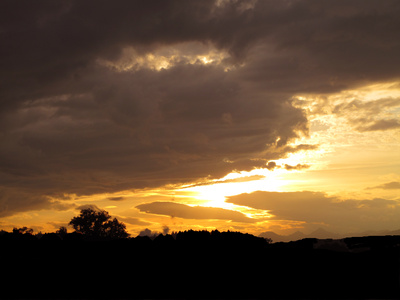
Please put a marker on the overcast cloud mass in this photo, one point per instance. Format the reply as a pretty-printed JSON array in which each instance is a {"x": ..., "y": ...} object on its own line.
[{"x": 100, "y": 96}]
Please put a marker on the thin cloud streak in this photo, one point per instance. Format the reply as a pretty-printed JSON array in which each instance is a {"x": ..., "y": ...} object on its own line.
[{"x": 193, "y": 212}]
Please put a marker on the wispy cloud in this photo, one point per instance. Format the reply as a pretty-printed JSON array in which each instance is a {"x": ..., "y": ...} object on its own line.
[{"x": 394, "y": 185}]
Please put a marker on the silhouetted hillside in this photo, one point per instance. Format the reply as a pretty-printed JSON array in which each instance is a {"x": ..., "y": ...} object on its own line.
[
  {"x": 197, "y": 264},
  {"x": 298, "y": 235},
  {"x": 321, "y": 233}
]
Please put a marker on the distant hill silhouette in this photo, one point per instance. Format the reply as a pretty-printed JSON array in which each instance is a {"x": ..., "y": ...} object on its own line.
[
  {"x": 321, "y": 233},
  {"x": 282, "y": 238}
]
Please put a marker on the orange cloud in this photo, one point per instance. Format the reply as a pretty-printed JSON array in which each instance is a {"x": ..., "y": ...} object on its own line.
[{"x": 193, "y": 212}]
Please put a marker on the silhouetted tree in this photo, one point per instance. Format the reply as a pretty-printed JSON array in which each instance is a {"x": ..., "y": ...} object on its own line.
[
  {"x": 23, "y": 230},
  {"x": 97, "y": 225},
  {"x": 62, "y": 231},
  {"x": 115, "y": 229},
  {"x": 23, "y": 234}
]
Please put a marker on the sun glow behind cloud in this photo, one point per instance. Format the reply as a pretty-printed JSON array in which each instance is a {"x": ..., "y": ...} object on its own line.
[
  {"x": 215, "y": 193},
  {"x": 356, "y": 131},
  {"x": 166, "y": 57},
  {"x": 342, "y": 154},
  {"x": 331, "y": 129},
  {"x": 236, "y": 183}
]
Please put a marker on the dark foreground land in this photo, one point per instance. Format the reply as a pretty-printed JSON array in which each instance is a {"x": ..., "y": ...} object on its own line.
[{"x": 199, "y": 265}]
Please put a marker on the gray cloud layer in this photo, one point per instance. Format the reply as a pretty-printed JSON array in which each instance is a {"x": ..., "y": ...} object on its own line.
[
  {"x": 318, "y": 208},
  {"x": 69, "y": 124},
  {"x": 394, "y": 185}
]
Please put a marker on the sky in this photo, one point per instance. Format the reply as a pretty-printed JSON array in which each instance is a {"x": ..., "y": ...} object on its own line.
[{"x": 250, "y": 116}]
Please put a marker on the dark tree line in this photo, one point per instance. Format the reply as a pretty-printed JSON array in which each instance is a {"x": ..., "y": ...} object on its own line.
[
  {"x": 191, "y": 264},
  {"x": 98, "y": 225}
]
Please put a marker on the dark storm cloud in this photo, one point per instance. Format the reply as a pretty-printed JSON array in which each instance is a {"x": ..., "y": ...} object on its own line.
[
  {"x": 70, "y": 124},
  {"x": 17, "y": 200},
  {"x": 193, "y": 212}
]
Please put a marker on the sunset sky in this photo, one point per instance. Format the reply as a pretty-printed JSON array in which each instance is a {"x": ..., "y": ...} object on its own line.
[{"x": 250, "y": 116}]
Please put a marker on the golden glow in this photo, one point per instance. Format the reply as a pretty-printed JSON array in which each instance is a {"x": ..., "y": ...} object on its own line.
[
  {"x": 343, "y": 153},
  {"x": 215, "y": 193},
  {"x": 349, "y": 147},
  {"x": 166, "y": 57}
]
